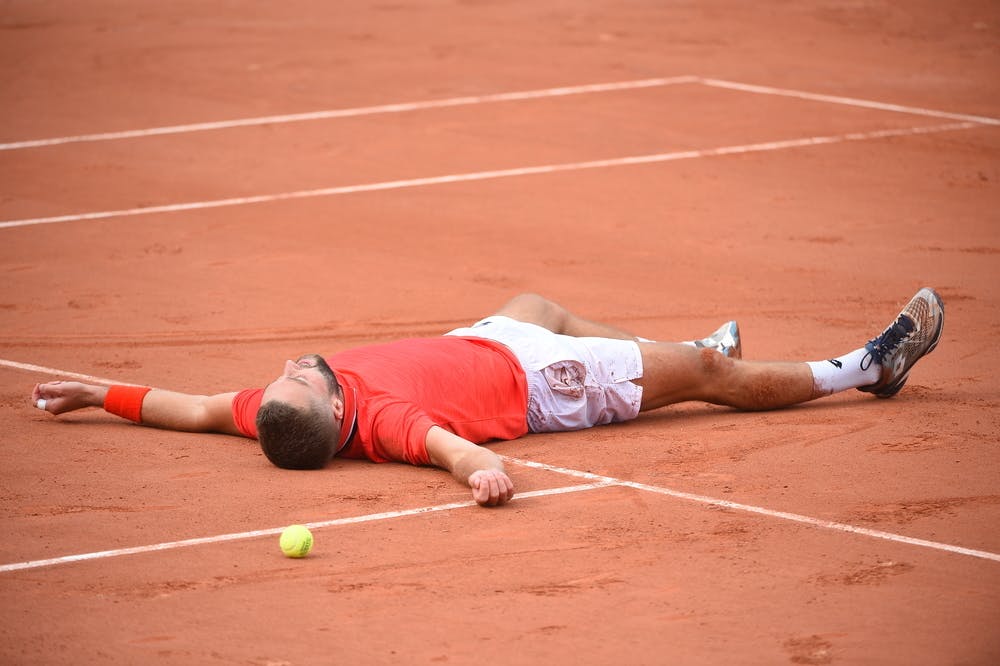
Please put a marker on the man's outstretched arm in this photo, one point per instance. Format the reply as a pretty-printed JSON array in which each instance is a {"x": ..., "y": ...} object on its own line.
[
  {"x": 160, "y": 409},
  {"x": 479, "y": 468}
]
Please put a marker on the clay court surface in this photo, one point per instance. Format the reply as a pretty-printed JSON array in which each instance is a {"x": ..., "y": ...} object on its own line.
[{"x": 803, "y": 167}]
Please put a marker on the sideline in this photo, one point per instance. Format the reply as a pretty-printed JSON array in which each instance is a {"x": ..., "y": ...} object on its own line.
[
  {"x": 783, "y": 515},
  {"x": 201, "y": 541},
  {"x": 847, "y": 101}
]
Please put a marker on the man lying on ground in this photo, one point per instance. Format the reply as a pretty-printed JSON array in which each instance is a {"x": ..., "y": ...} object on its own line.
[{"x": 531, "y": 367}]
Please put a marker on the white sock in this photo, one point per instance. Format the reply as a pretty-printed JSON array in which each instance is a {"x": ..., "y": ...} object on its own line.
[{"x": 843, "y": 372}]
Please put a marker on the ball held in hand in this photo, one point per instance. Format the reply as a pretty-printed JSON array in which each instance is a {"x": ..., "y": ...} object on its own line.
[{"x": 296, "y": 541}]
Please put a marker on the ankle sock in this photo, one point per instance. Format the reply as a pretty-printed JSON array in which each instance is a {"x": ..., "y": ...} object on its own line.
[{"x": 843, "y": 372}]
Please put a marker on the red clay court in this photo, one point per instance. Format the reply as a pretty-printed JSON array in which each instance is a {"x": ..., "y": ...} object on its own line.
[{"x": 192, "y": 192}]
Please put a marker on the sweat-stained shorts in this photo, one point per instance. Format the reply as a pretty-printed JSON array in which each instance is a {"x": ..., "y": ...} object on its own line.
[{"x": 573, "y": 383}]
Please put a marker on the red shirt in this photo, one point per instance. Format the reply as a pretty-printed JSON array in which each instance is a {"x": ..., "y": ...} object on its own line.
[{"x": 473, "y": 387}]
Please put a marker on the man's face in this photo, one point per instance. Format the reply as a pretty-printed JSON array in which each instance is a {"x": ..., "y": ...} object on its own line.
[{"x": 303, "y": 381}]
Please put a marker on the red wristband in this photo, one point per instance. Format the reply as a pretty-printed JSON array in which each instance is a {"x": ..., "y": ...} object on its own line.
[{"x": 126, "y": 401}]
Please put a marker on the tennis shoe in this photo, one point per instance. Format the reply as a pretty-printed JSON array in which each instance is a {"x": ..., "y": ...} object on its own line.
[
  {"x": 914, "y": 334},
  {"x": 725, "y": 340}
]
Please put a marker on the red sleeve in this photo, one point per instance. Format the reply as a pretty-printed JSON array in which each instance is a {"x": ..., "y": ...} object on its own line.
[
  {"x": 245, "y": 406},
  {"x": 400, "y": 434}
]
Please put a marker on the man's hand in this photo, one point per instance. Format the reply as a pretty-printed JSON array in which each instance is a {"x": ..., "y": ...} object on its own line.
[
  {"x": 62, "y": 397},
  {"x": 470, "y": 463},
  {"x": 491, "y": 487}
]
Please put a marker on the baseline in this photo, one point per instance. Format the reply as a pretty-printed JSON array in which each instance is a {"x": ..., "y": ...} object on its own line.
[{"x": 500, "y": 173}]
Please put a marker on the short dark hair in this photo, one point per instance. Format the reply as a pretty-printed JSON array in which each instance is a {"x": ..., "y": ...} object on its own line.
[{"x": 295, "y": 438}]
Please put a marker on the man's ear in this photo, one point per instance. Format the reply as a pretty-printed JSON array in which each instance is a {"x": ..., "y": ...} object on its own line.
[{"x": 337, "y": 405}]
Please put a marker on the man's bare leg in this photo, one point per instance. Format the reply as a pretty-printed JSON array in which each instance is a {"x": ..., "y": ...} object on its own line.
[
  {"x": 675, "y": 373},
  {"x": 534, "y": 309}
]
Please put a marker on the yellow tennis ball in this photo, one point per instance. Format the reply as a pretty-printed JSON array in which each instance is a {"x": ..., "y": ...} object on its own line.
[{"x": 296, "y": 541}]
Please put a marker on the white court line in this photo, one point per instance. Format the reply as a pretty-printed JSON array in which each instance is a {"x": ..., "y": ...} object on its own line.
[
  {"x": 201, "y": 541},
  {"x": 360, "y": 111},
  {"x": 783, "y": 515},
  {"x": 403, "y": 107},
  {"x": 501, "y": 173},
  {"x": 60, "y": 373},
  {"x": 849, "y": 101}
]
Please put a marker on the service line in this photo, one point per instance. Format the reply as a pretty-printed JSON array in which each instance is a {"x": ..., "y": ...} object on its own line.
[
  {"x": 359, "y": 111},
  {"x": 500, "y": 173}
]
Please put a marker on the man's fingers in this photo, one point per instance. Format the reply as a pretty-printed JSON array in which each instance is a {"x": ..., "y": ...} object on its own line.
[
  {"x": 488, "y": 489},
  {"x": 38, "y": 399},
  {"x": 480, "y": 482},
  {"x": 508, "y": 489},
  {"x": 479, "y": 493},
  {"x": 491, "y": 488},
  {"x": 483, "y": 494}
]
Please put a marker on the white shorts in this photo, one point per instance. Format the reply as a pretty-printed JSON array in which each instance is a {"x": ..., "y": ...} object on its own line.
[{"x": 573, "y": 383}]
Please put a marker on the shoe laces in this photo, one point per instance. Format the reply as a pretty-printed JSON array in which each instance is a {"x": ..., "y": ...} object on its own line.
[{"x": 884, "y": 345}]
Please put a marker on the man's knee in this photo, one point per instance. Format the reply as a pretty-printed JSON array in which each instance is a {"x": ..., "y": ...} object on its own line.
[
  {"x": 713, "y": 364},
  {"x": 718, "y": 374},
  {"x": 534, "y": 309},
  {"x": 528, "y": 302}
]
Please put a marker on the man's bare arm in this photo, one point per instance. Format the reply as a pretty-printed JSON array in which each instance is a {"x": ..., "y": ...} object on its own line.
[
  {"x": 161, "y": 409},
  {"x": 479, "y": 468}
]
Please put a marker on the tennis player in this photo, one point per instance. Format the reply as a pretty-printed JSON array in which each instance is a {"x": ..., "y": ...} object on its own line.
[{"x": 531, "y": 367}]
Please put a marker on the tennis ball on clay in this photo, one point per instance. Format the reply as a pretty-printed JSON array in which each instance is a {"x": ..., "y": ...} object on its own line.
[{"x": 296, "y": 541}]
